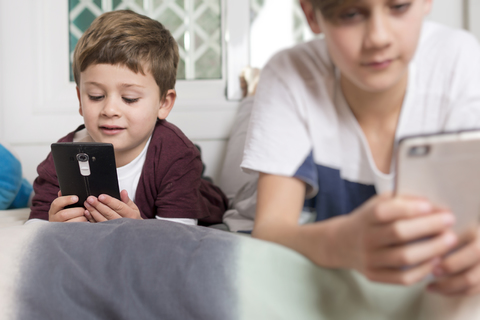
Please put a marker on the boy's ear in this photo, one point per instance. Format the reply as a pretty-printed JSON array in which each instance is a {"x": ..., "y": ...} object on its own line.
[
  {"x": 79, "y": 102},
  {"x": 167, "y": 104},
  {"x": 311, "y": 16}
]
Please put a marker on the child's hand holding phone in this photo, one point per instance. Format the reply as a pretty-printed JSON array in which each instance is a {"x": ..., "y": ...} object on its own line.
[
  {"x": 106, "y": 208},
  {"x": 383, "y": 236},
  {"x": 58, "y": 212},
  {"x": 444, "y": 168},
  {"x": 83, "y": 170},
  {"x": 458, "y": 273}
]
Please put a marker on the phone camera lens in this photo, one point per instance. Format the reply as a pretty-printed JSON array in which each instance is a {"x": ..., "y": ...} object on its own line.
[
  {"x": 419, "y": 151},
  {"x": 82, "y": 157}
]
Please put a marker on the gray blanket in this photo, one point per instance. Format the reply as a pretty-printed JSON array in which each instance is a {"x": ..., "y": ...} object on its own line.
[{"x": 126, "y": 269}]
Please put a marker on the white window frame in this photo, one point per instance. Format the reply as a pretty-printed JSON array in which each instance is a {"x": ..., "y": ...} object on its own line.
[{"x": 54, "y": 90}]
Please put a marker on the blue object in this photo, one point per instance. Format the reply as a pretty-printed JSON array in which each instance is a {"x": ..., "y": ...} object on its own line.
[
  {"x": 332, "y": 195},
  {"x": 15, "y": 191}
]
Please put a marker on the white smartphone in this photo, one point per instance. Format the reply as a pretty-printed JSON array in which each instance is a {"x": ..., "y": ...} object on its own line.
[{"x": 445, "y": 169}]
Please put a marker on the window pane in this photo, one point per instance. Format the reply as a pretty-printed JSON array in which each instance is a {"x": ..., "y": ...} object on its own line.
[
  {"x": 195, "y": 25},
  {"x": 275, "y": 25}
]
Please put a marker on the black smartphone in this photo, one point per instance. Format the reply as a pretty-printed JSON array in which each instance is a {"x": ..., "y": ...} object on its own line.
[{"x": 85, "y": 169}]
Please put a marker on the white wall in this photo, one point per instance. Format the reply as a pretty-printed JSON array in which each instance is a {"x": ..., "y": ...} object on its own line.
[
  {"x": 449, "y": 12},
  {"x": 458, "y": 14},
  {"x": 473, "y": 17}
]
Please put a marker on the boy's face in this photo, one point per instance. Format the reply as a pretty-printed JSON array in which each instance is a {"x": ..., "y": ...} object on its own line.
[
  {"x": 373, "y": 41},
  {"x": 121, "y": 107}
]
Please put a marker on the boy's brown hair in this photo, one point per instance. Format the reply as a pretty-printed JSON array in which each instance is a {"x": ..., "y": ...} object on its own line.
[
  {"x": 127, "y": 38},
  {"x": 329, "y": 8}
]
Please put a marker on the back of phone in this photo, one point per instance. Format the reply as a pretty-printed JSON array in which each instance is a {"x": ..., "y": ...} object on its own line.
[
  {"x": 85, "y": 169},
  {"x": 445, "y": 169}
]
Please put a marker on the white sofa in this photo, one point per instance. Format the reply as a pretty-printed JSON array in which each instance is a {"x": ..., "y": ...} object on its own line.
[{"x": 13, "y": 217}]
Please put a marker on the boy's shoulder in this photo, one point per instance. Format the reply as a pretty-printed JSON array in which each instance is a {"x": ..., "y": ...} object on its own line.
[
  {"x": 167, "y": 138},
  {"x": 441, "y": 42},
  {"x": 434, "y": 30},
  {"x": 165, "y": 130}
]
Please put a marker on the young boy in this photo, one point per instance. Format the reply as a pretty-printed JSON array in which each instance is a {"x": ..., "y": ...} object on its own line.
[
  {"x": 327, "y": 117},
  {"x": 125, "y": 68}
]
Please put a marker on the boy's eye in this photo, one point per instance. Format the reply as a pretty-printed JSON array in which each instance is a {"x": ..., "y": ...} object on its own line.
[
  {"x": 129, "y": 100},
  {"x": 350, "y": 15},
  {"x": 400, "y": 8},
  {"x": 95, "y": 98}
]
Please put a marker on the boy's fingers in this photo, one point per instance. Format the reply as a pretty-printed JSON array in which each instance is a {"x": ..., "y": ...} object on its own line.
[
  {"x": 460, "y": 260},
  {"x": 124, "y": 196},
  {"x": 89, "y": 216},
  {"x": 415, "y": 253},
  {"x": 126, "y": 199},
  {"x": 97, "y": 216},
  {"x": 467, "y": 282},
  {"x": 400, "y": 208},
  {"x": 120, "y": 208},
  {"x": 111, "y": 208},
  {"x": 61, "y": 202},
  {"x": 407, "y": 230},
  {"x": 77, "y": 219},
  {"x": 94, "y": 206},
  {"x": 402, "y": 276},
  {"x": 67, "y": 214}
]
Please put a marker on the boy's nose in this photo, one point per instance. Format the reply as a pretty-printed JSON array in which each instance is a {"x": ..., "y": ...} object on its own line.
[
  {"x": 378, "y": 33},
  {"x": 110, "y": 108}
]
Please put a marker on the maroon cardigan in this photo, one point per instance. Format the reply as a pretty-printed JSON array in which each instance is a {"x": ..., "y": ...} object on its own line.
[{"x": 170, "y": 185}]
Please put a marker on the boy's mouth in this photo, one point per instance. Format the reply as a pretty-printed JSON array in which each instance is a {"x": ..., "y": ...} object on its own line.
[
  {"x": 378, "y": 65},
  {"x": 111, "y": 130}
]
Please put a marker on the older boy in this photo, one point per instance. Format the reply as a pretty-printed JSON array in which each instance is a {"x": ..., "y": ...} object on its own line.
[
  {"x": 125, "y": 68},
  {"x": 326, "y": 120}
]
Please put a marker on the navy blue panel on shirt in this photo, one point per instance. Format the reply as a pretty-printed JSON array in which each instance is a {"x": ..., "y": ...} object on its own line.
[
  {"x": 335, "y": 195},
  {"x": 308, "y": 173}
]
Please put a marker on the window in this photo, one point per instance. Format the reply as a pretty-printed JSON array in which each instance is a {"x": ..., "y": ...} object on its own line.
[
  {"x": 275, "y": 25},
  {"x": 195, "y": 25}
]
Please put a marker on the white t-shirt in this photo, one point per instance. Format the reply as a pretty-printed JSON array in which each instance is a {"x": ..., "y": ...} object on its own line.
[
  {"x": 129, "y": 175},
  {"x": 301, "y": 125}
]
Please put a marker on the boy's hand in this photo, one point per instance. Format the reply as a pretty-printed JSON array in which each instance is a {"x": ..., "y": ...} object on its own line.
[
  {"x": 397, "y": 240},
  {"x": 106, "y": 208},
  {"x": 57, "y": 213},
  {"x": 388, "y": 239},
  {"x": 459, "y": 272}
]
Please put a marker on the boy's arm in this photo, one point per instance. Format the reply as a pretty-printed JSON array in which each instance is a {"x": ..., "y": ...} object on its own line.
[
  {"x": 45, "y": 189},
  {"x": 375, "y": 239},
  {"x": 182, "y": 193}
]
